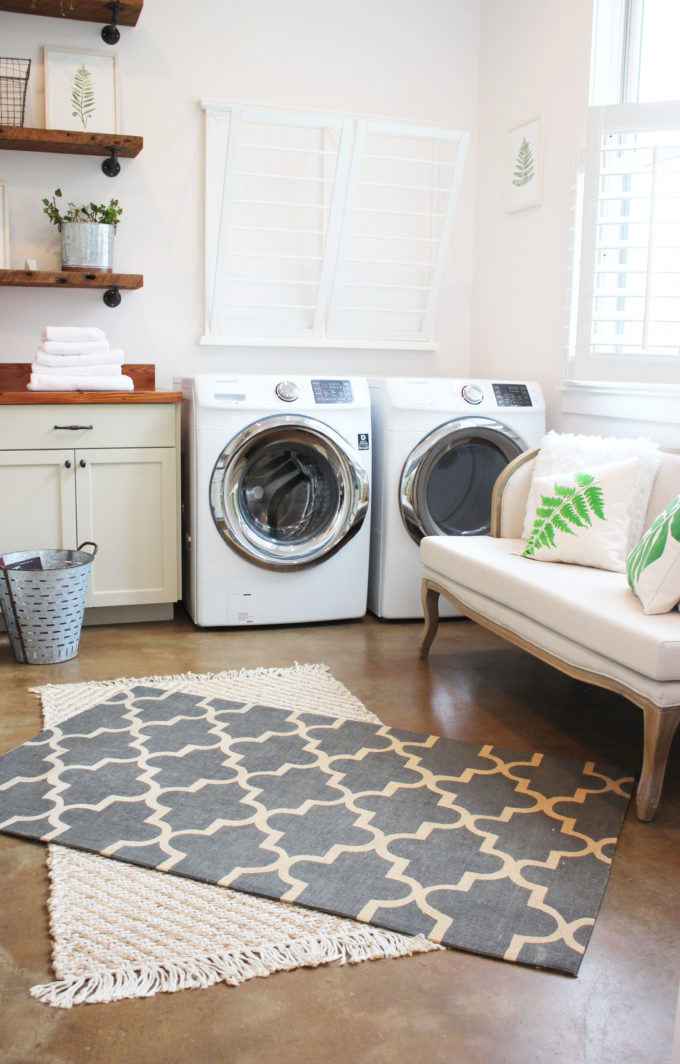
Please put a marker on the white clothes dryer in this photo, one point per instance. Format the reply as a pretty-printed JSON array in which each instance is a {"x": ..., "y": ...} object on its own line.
[
  {"x": 438, "y": 446},
  {"x": 275, "y": 500}
]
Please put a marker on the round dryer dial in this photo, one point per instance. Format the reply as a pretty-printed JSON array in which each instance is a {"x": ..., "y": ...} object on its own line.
[
  {"x": 472, "y": 393},
  {"x": 287, "y": 390}
]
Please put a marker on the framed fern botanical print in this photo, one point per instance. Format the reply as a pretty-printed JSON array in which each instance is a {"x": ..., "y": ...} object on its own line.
[
  {"x": 81, "y": 90},
  {"x": 524, "y": 170}
]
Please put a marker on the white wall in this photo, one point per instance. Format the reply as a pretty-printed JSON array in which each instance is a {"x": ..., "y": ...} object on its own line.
[
  {"x": 534, "y": 60},
  {"x": 390, "y": 58}
]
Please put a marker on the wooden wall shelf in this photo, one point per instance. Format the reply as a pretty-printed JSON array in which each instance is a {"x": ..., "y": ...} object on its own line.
[
  {"x": 110, "y": 283},
  {"x": 69, "y": 142},
  {"x": 82, "y": 10}
]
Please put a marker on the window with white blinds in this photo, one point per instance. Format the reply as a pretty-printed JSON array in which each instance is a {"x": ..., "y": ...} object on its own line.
[
  {"x": 629, "y": 306},
  {"x": 324, "y": 228}
]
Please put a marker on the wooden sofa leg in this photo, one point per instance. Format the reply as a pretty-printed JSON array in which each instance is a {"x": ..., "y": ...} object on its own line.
[
  {"x": 660, "y": 727},
  {"x": 430, "y": 598}
]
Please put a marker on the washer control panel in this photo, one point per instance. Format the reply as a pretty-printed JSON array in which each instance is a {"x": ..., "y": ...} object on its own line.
[
  {"x": 512, "y": 395},
  {"x": 328, "y": 391},
  {"x": 288, "y": 391}
]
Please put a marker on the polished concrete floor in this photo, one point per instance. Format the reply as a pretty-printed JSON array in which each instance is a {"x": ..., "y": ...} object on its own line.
[{"x": 443, "y": 1008}]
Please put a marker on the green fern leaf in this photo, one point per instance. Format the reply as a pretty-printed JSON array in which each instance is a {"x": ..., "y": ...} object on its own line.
[
  {"x": 524, "y": 165},
  {"x": 547, "y": 536},
  {"x": 82, "y": 95},
  {"x": 566, "y": 510},
  {"x": 581, "y": 507},
  {"x": 572, "y": 515},
  {"x": 595, "y": 500},
  {"x": 561, "y": 525}
]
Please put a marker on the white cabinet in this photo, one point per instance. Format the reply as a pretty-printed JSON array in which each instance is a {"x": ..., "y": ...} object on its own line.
[{"x": 108, "y": 474}]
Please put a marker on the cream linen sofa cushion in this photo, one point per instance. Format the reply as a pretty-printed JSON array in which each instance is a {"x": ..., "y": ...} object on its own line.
[{"x": 591, "y": 607}]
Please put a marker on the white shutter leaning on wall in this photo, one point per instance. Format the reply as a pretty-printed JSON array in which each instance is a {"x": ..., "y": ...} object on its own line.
[
  {"x": 325, "y": 229},
  {"x": 629, "y": 303}
]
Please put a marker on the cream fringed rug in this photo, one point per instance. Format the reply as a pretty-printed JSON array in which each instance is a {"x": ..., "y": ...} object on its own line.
[{"x": 119, "y": 931}]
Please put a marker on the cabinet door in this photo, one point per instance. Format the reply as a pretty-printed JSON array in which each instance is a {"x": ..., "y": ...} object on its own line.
[
  {"x": 37, "y": 500},
  {"x": 126, "y": 501}
]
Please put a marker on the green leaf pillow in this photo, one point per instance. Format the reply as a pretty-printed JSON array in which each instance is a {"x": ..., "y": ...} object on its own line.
[
  {"x": 584, "y": 517},
  {"x": 653, "y": 567}
]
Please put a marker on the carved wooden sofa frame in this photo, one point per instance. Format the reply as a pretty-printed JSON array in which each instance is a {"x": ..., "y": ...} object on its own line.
[{"x": 659, "y": 701}]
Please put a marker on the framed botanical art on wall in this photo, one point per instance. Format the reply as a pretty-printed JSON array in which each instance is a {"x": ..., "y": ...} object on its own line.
[
  {"x": 4, "y": 227},
  {"x": 524, "y": 170},
  {"x": 81, "y": 90}
]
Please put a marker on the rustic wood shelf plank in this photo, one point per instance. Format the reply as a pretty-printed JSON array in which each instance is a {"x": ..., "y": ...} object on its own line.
[
  {"x": 69, "y": 142},
  {"x": 69, "y": 279},
  {"x": 82, "y": 10}
]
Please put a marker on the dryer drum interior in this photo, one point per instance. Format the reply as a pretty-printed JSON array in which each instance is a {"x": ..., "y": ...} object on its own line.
[
  {"x": 448, "y": 479},
  {"x": 288, "y": 492}
]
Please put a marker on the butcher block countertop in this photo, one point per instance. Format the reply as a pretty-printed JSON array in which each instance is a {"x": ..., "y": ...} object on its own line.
[{"x": 14, "y": 376}]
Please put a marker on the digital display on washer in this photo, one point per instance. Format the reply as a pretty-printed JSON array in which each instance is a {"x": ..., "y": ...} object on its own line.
[
  {"x": 512, "y": 395},
  {"x": 332, "y": 391},
  {"x": 234, "y": 397}
]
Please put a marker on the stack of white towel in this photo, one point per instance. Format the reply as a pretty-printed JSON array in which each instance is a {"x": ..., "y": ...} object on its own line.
[{"x": 74, "y": 359}]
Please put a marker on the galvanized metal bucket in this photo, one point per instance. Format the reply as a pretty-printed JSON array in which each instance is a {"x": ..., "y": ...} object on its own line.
[
  {"x": 42, "y": 594},
  {"x": 87, "y": 246}
]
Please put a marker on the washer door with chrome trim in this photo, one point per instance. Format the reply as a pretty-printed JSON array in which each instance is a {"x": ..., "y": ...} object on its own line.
[
  {"x": 287, "y": 492},
  {"x": 447, "y": 480}
]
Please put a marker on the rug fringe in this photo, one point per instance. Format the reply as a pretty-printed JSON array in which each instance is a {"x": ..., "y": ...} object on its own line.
[
  {"x": 231, "y": 968},
  {"x": 227, "y": 674}
]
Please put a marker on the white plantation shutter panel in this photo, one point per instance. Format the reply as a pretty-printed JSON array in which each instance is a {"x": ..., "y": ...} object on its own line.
[
  {"x": 401, "y": 199},
  {"x": 325, "y": 229},
  {"x": 629, "y": 307}
]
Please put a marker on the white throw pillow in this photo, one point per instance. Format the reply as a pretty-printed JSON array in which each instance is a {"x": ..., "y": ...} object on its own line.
[
  {"x": 653, "y": 566},
  {"x": 583, "y": 517},
  {"x": 565, "y": 452}
]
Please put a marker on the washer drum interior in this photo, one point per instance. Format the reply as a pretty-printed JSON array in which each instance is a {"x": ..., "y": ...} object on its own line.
[{"x": 288, "y": 491}]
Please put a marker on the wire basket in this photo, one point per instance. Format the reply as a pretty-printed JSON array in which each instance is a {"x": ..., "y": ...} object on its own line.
[
  {"x": 14, "y": 75},
  {"x": 42, "y": 594}
]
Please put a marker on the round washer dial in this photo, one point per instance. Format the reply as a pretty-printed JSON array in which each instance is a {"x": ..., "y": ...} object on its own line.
[
  {"x": 288, "y": 391},
  {"x": 472, "y": 393}
]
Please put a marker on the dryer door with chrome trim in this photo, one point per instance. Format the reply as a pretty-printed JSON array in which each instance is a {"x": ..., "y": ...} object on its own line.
[
  {"x": 287, "y": 492},
  {"x": 447, "y": 480}
]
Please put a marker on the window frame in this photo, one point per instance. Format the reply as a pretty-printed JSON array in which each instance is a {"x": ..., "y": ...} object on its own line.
[{"x": 614, "y": 83}]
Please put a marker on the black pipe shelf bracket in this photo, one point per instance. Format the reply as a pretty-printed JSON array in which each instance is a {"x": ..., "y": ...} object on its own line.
[
  {"x": 111, "y": 33},
  {"x": 111, "y": 166},
  {"x": 112, "y": 296}
]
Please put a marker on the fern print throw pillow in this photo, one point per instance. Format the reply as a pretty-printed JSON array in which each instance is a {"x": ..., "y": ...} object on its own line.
[
  {"x": 583, "y": 517},
  {"x": 653, "y": 567}
]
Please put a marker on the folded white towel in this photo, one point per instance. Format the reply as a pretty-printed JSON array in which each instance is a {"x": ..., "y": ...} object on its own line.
[
  {"x": 75, "y": 347},
  {"x": 115, "y": 357},
  {"x": 39, "y": 383},
  {"x": 70, "y": 333},
  {"x": 96, "y": 370}
]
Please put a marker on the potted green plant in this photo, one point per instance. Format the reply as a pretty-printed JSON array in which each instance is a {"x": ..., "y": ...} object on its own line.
[{"x": 87, "y": 232}]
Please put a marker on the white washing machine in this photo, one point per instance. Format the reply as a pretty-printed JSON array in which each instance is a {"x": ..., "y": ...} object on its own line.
[
  {"x": 275, "y": 499},
  {"x": 438, "y": 447}
]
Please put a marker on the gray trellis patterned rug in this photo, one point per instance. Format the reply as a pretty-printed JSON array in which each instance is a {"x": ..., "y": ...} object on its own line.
[{"x": 494, "y": 851}]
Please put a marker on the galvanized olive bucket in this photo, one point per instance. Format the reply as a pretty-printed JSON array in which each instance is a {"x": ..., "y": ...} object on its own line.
[
  {"x": 87, "y": 246},
  {"x": 42, "y": 596}
]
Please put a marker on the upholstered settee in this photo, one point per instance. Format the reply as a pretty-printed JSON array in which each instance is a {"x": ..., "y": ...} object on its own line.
[{"x": 585, "y": 621}]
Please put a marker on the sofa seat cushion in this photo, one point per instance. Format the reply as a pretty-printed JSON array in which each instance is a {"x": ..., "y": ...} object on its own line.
[{"x": 591, "y": 607}]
